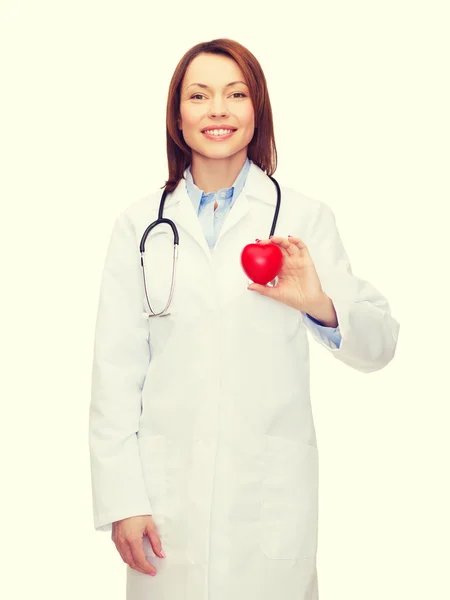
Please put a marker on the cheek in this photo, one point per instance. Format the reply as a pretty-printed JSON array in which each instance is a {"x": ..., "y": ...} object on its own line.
[
  {"x": 190, "y": 117},
  {"x": 247, "y": 116}
]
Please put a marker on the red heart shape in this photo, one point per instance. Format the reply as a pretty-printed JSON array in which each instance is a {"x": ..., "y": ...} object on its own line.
[{"x": 261, "y": 262}]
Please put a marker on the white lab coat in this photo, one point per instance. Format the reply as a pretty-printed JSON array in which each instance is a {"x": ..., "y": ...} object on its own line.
[{"x": 203, "y": 418}]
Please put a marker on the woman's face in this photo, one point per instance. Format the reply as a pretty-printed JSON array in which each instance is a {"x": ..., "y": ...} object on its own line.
[{"x": 207, "y": 100}]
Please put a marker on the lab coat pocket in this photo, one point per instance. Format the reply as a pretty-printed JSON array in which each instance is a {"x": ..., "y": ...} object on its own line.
[
  {"x": 289, "y": 510},
  {"x": 159, "y": 331}
]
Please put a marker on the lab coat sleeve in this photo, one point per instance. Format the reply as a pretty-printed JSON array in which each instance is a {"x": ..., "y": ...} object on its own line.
[
  {"x": 333, "y": 334},
  {"x": 368, "y": 330},
  {"x": 121, "y": 358}
]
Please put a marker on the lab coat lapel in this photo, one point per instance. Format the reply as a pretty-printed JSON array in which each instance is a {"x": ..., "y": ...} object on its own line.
[
  {"x": 250, "y": 217},
  {"x": 258, "y": 193},
  {"x": 178, "y": 207},
  {"x": 238, "y": 211},
  {"x": 258, "y": 188}
]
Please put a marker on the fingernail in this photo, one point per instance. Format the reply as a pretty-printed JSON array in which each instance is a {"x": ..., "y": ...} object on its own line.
[
  {"x": 152, "y": 574},
  {"x": 163, "y": 554}
]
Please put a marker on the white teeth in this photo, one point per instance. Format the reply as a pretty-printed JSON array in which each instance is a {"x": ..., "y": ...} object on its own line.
[{"x": 218, "y": 131}]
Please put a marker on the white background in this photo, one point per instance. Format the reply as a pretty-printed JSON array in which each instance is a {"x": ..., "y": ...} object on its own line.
[{"x": 360, "y": 98}]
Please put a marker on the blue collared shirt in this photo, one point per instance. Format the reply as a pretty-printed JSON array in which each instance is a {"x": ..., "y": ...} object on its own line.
[{"x": 212, "y": 220}]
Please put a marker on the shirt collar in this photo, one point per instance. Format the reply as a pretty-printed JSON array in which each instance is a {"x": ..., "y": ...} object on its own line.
[{"x": 196, "y": 193}]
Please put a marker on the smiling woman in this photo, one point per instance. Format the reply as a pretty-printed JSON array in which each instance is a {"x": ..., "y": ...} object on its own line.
[
  {"x": 219, "y": 122},
  {"x": 229, "y": 106},
  {"x": 218, "y": 87},
  {"x": 203, "y": 448}
]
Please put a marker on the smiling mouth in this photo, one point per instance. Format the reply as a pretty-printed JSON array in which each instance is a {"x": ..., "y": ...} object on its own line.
[{"x": 218, "y": 133}]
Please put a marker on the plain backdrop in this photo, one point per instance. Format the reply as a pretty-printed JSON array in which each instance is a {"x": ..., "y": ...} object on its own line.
[{"x": 360, "y": 98}]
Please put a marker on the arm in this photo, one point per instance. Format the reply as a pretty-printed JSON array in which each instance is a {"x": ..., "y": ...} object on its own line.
[
  {"x": 331, "y": 334},
  {"x": 121, "y": 358},
  {"x": 369, "y": 332}
]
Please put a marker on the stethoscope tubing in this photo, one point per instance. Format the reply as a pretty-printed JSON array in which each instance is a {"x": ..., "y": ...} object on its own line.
[{"x": 176, "y": 240}]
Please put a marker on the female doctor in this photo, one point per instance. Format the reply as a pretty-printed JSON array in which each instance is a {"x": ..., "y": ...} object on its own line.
[{"x": 203, "y": 451}]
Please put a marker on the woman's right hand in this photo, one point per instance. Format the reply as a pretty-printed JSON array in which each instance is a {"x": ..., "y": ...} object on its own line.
[{"x": 127, "y": 535}]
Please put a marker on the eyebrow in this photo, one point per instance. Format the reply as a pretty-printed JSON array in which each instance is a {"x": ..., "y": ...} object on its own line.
[{"x": 202, "y": 85}]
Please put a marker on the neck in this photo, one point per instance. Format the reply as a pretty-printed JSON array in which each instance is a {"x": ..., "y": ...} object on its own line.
[{"x": 212, "y": 174}]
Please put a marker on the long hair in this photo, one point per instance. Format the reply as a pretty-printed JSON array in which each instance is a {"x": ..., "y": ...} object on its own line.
[{"x": 261, "y": 149}]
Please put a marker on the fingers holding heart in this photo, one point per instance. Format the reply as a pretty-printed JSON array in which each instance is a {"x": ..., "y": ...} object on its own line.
[
  {"x": 269, "y": 241},
  {"x": 298, "y": 242},
  {"x": 290, "y": 246},
  {"x": 290, "y": 249}
]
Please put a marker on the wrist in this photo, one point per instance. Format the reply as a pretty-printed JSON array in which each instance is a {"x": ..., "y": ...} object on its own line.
[{"x": 322, "y": 309}]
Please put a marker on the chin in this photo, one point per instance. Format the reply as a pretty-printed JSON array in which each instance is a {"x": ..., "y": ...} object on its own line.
[
  {"x": 217, "y": 150},
  {"x": 218, "y": 153}
]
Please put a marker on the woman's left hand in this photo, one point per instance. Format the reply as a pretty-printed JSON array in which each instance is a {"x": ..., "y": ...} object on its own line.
[{"x": 298, "y": 283}]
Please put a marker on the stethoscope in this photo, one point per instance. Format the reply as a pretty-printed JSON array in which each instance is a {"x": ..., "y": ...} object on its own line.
[{"x": 160, "y": 220}]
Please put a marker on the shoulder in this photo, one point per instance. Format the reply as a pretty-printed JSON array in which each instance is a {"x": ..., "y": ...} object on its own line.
[
  {"x": 138, "y": 213},
  {"x": 143, "y": 207},
  {"x": 306, "y": 208}
]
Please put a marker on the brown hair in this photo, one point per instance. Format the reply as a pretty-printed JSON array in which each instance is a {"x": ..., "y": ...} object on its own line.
[{"x": 261, "y": 150}]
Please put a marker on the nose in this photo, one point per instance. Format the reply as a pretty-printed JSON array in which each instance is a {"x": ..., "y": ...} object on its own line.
[{"x": 218, "y": 107}]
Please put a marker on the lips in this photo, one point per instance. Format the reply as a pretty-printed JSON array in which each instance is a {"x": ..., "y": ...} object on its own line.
[
  {"x": 209, "y": 129},
  {"x": 218, "y": 137}
]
